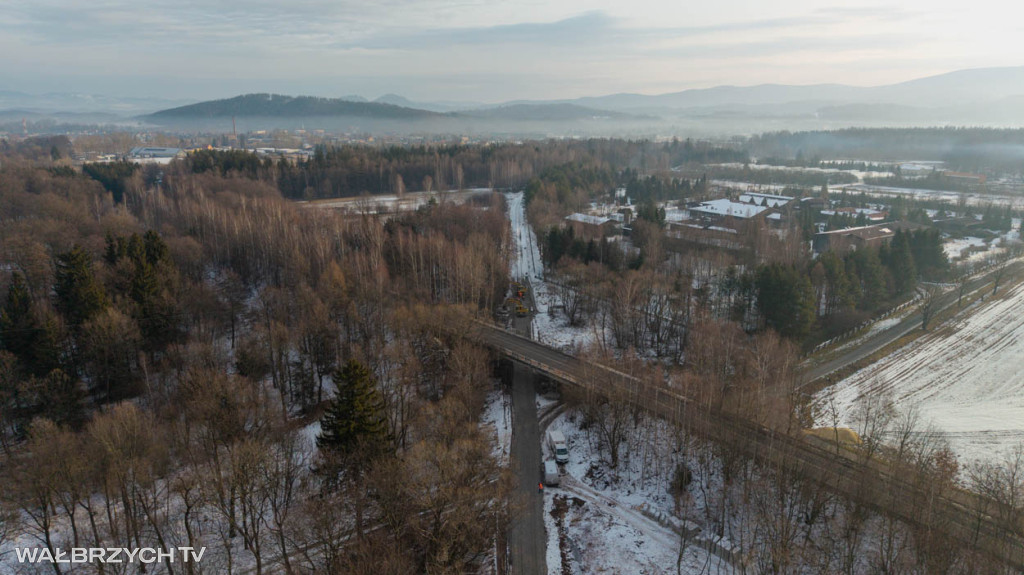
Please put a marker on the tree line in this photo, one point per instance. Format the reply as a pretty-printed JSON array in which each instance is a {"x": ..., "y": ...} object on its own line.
[{"x": 967, "y": 149}]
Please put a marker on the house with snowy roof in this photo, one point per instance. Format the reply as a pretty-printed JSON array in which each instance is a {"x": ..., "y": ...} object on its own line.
[
  {"x": 769, "y": 200},
  {"x": 727, "y": 213},
  {"x": 590, "y": 227}
]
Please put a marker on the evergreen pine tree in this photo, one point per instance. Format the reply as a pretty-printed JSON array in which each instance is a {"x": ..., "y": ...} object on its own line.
[
  {"x": 901, "y": 263},
  {"x": 354, "y": 419},
  {"x": 871, "y": 274},
  {"x": 62, "y": 399},
  {"x": 785, "y": 299},
  {"x": 79, "y": 295},
  {"x": 156, "y": 250},
  {"x": 34, "y": 340},
  {"x": 17, "y": 323}
]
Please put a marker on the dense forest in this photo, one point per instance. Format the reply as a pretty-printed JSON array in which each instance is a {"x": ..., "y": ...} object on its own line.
[
  {"x": 230, "y": 319},
  {"x": 356, "y": 170}
]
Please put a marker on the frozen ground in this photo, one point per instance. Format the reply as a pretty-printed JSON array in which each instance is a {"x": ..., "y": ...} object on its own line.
[{"x": 966, "y": 382}]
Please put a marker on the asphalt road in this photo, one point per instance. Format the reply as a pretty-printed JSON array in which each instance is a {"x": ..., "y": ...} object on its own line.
[
  {"x": 527, "y": 538},
  {"x": 909, "y": 324}
]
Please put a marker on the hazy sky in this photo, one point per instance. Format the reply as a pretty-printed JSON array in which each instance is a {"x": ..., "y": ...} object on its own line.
[{"x": 488, "y": 50}]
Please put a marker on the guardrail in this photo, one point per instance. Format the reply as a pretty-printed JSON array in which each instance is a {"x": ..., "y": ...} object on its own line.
[{"x": 860, "y": 328}]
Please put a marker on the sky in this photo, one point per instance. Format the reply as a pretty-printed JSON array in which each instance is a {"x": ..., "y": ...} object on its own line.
[{"x": 488, "y": 50}]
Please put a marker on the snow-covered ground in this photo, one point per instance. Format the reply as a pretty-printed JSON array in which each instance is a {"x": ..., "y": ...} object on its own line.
[
  {"x": 498, "y": 417},
  {"x": 604, "y": 521},
  {"x": 859, "y": 174},
  {"x": 967, "y": 383},
  {"x": 952, "y": 198},
  {"x": 526, "y": 262},
  {"x": 747, "y": 186},
  {"x": 599, "y": 523},
  {"x": 387, "y": 203},
  {"x": 550, "y": 326},
  {"x": 973, "y": 249},
  {"x": 954, "y": 247}
]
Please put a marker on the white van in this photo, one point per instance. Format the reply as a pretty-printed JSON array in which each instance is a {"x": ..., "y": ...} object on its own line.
[
  {"x": 556, "y": 441},
  {"x": 551, "y": 473}
]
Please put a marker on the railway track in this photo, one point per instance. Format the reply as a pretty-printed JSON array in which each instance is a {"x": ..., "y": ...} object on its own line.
[{"x": 890, "y": 487}]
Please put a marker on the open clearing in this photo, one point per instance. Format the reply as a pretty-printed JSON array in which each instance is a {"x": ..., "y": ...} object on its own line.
[{"x": 965, "y": 381}]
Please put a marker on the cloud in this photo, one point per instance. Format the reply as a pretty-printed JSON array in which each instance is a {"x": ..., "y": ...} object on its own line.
[
  {"x": 583, "y": 29},
  {"x": 483, "y": 48}
]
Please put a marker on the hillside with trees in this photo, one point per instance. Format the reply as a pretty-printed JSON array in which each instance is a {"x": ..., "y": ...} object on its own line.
[{"x": 277, "y": 105}]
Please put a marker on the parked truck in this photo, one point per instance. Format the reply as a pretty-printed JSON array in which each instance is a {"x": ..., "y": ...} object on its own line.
[
  {"x": 551, "y": 473},
  {"x": 556, "y": 441}
]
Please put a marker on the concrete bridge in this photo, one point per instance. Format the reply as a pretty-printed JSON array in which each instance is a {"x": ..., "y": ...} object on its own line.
[{"x": 888, "y": 487}]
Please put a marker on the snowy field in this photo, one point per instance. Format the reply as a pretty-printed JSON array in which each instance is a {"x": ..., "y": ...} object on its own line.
[
  {"x": 859, "y": 174},
  {"x": 966, "y": 383},
  {"x": 949, "y": 197}
]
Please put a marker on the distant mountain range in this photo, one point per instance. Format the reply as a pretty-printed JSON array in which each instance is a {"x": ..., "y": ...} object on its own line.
[
  {"x": 984, "y": 96},
  {"x": 953, "y": 89},
  {"x": 73, "y": 103}
]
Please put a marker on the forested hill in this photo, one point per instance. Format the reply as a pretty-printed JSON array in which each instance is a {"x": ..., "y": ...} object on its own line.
[{"x": 274, "y": 105}]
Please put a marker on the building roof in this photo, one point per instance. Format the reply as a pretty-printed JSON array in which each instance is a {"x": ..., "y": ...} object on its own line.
[
  {"x": 774, "y": 201},
  {"x": 725, "y": 207},
  {"x": 154, "y": 152},
  {"x": 588, "y": 219},
  {"x": 872, "y": 231},
  {"x": 866, "y": 211},
  {"x": 858, "y": 231}
]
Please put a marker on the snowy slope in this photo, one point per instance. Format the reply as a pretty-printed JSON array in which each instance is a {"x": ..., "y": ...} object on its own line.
[{"x": 968, "y": 383}]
